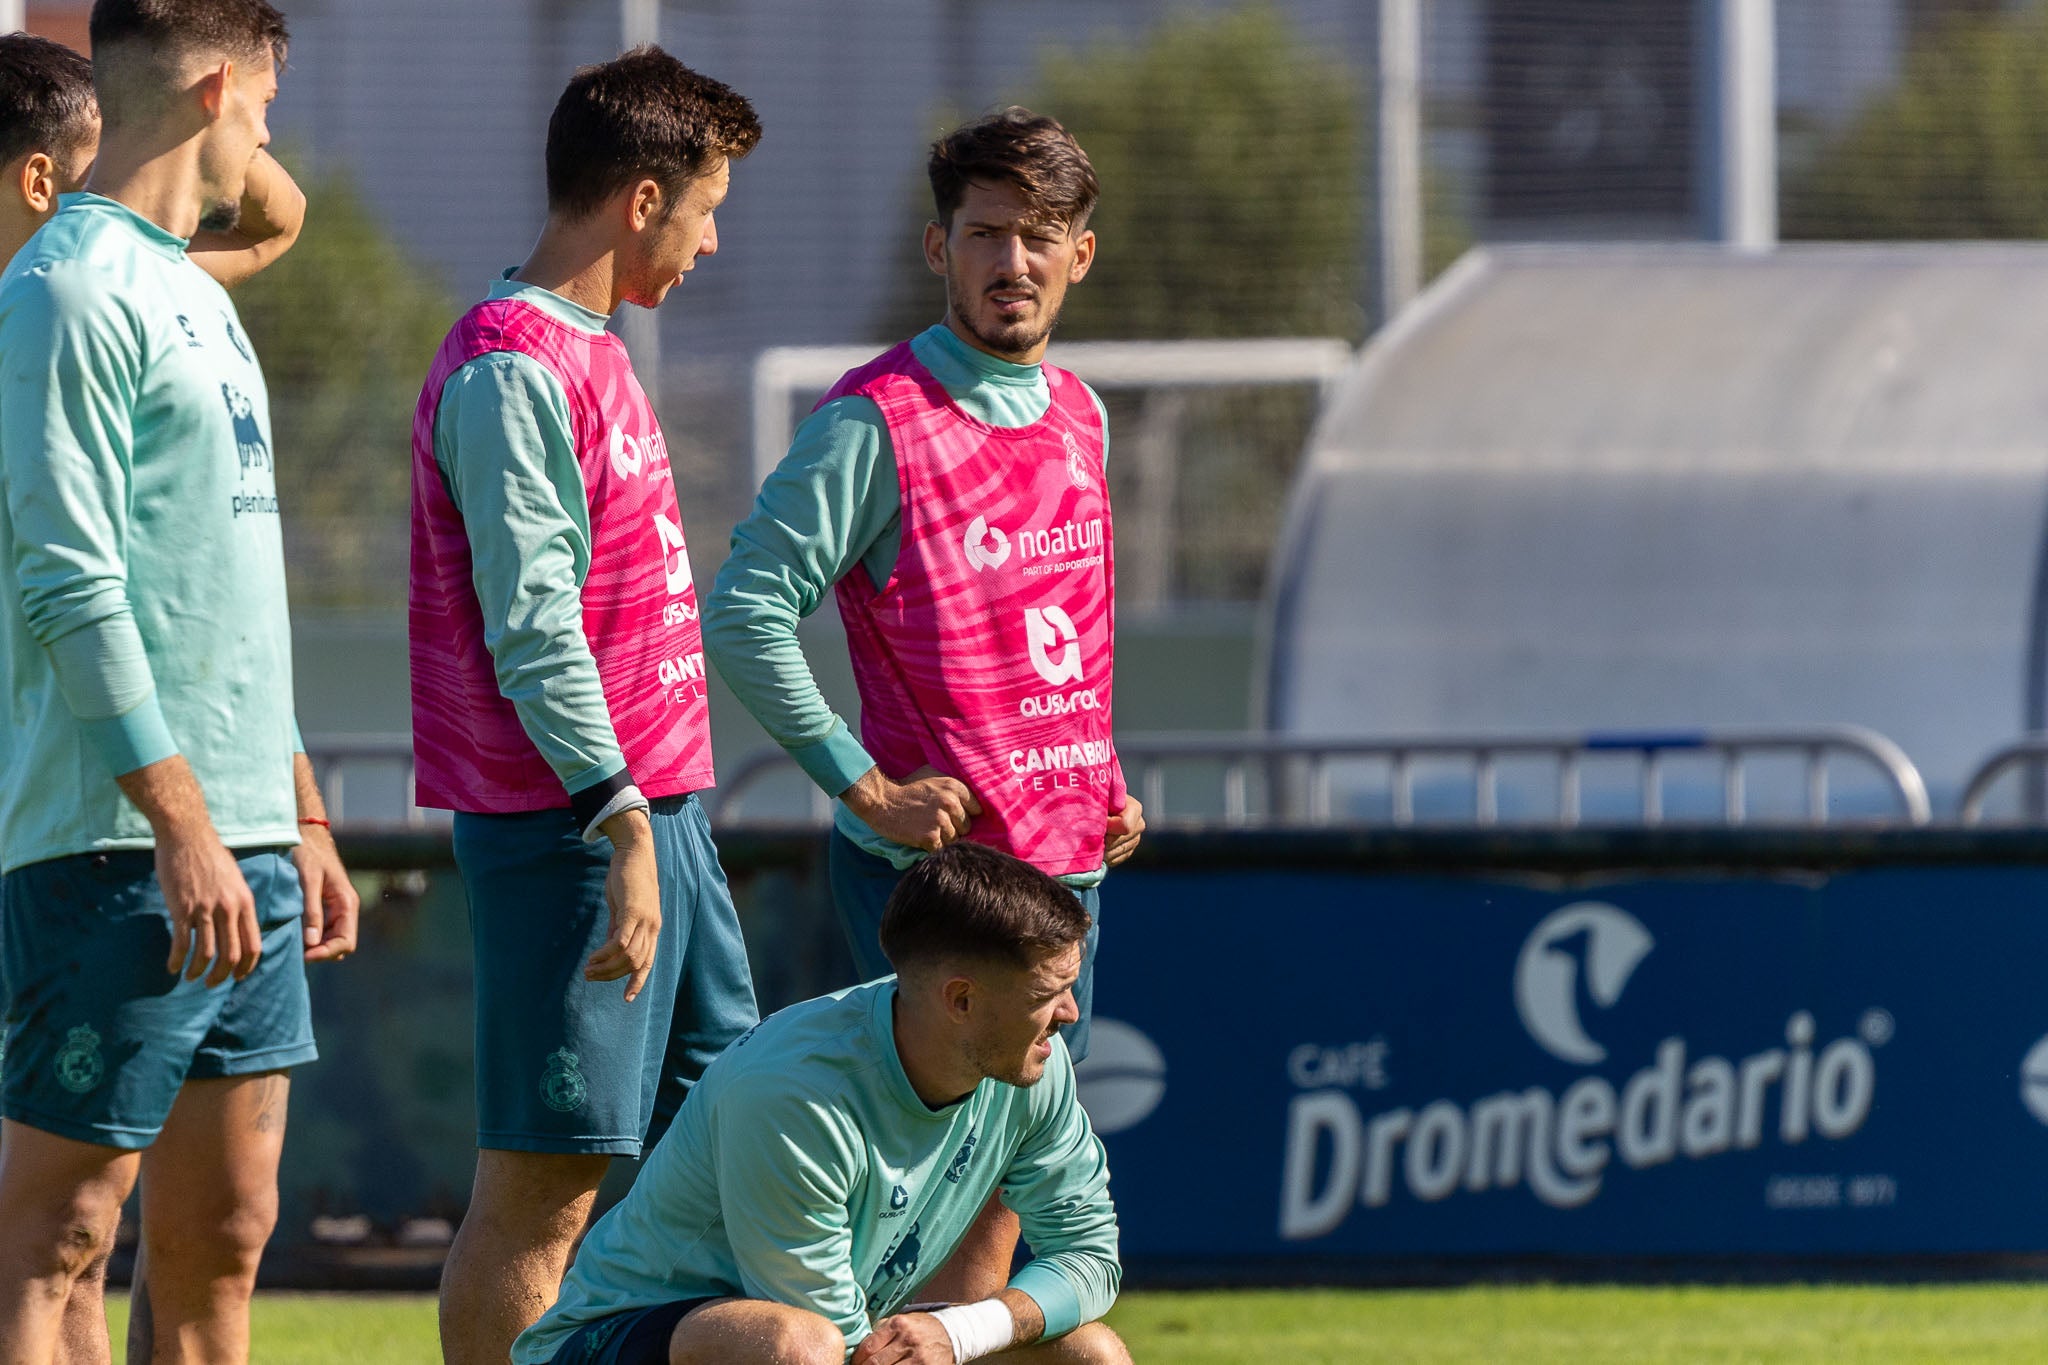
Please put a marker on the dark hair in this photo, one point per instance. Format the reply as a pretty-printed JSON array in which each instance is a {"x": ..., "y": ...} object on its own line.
[
  {"x": 46, "y": 99},
  {"x": 137, "y": 43},
  {"x": 1016, "y": 147},
  {"x": 641, "y": 116},
  {"x": 969, "y": 901},
  {"x": 240, "y": 30}
]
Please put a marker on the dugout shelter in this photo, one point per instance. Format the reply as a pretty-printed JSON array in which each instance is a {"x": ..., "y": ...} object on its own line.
[{"x": 1654, "y": 487}]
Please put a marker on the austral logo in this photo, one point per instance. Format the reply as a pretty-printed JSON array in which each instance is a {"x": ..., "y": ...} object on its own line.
[
  {"x": 1575, "y": 964},
  {"x": 1047, "y": 629}
]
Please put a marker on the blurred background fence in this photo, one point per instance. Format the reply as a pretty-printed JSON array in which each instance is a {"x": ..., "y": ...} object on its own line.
[{"x": 1238, "y": 147}]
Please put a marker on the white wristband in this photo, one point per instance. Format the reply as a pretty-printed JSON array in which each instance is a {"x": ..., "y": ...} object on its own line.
[
  {"x": 628, "y": 798},
  {"x": 977, "y": 1329}
]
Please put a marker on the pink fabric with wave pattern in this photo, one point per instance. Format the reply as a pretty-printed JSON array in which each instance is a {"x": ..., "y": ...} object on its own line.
[
  {"x": 639, "y": 605},
  {"x": 988, "y": 654}
]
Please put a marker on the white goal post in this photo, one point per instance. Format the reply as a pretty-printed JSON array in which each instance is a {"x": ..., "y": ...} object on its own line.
[{"x": 782, "y": 374}]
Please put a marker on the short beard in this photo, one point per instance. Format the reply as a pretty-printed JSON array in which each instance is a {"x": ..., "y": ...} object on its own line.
[
  {"x": 222, "y": 217},
  {"x": 1015, "y": 340}
]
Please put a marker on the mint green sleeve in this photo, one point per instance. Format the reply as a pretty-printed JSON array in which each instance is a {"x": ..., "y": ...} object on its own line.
[
  {"x": 1058, "y": 1186},
  {"x": 817, "y": 517},
  {"x": 71, "y": 357},
  {"x": 503, "y": 442},
  {"x": 786, "y": 1170}
]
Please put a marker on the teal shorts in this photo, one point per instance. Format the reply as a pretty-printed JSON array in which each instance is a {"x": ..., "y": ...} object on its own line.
[
  {"x": 861, "y": 883},
  {"x": 99, "y": 1036},
  {"x": 567, "y": 1065}
]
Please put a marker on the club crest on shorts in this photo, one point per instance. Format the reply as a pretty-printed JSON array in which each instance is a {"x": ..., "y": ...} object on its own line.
[
  {"x": 1077, "y": 463},
  {"x": 561, "y": 1086},
  {"x": 79, "y": 1064}
]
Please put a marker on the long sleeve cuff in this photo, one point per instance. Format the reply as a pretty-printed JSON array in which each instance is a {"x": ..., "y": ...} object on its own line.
[
  {"x": 1054, "y": 1296},
  {"x": 134, "y": 739},
  {"x": 601, "y": 794},
  {"x": 835, "y": 762}
]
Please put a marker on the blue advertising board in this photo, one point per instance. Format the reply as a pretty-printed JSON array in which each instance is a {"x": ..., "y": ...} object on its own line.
[{"x": 1371, "y": 1064}]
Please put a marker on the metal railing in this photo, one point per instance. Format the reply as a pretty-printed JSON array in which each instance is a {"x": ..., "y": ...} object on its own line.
[
  {"x": 1294, "y": 778},
  {"x": 2027, "y": 755}
]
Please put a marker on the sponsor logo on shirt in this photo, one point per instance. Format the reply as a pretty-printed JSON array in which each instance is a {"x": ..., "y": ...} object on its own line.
[
  {"x": 1053, "y": 549},
  {"x": 678, "y": 614},
  {"x": 986, "y": 547},
  {"x": 192, "y": 341},
  {"x": 1059, "y": 704},
  {"x": 1047, "y": 629},
  {"x": 633, "y": 456},
  {"x": 682, "y": 669},
  {"x": 675, "y": 557},
  {"x": 250, "y": 445}
]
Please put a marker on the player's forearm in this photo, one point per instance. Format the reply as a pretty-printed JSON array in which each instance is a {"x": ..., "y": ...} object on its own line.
[
  {"x": 823, "y": 511},
  {"x": 168, "y": 795},
  {"x": 1069, "y": 1287},
  {"x": 306, "y": 787},
  {"x": 273, "y": 213}
]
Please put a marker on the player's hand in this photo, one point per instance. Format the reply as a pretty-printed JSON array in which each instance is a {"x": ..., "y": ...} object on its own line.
[
  {"x": 1126, "y": 826},
  {"x": 213, "y": 914},
  {"x": 632, "y": 892},
  {"x": 927, "y": 810},
  {"x": 906, "y": 1339},
  {"x": 331, "y": 900}
]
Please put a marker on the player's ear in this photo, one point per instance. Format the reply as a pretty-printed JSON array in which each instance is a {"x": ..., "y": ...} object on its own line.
[
  {"x": 958, "y": 993},
  {"x": 935, "y": 247},
  {"x": 37, "y": 181},
  {"x": 643, "y": 204},
  {"x": 212, "y": 90},
  {"x": 1084, "y": 256}
]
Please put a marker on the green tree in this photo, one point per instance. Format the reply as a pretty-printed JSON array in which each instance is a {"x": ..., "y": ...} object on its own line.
[
  {"x": 1957, "y": 149},
  {"x": 346, "y": 328},
  {"x": 1230, "y": 162}
]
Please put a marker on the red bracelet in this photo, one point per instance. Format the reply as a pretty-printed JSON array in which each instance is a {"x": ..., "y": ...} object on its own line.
[{"x": 315, "y": 820}]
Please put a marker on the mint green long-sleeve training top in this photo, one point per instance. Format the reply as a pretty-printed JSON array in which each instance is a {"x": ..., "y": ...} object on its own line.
[
  {"x": 507, "y": 455},
  {"x": 144, "y": 613},
  {"x": 834, "y": 507},
  {"x": 805, "y": 1170}
]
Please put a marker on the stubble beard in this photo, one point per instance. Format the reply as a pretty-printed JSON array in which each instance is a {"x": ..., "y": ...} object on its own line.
[
  {"x": 222, "y": 217},
  {"x": 1017, "y": 338}
]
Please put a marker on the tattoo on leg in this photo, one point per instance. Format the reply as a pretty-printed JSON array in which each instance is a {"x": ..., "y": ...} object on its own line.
[{"x": 271, "y": 1104}]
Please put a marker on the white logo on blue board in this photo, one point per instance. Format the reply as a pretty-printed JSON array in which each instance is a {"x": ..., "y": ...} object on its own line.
[
  {"x": 1123, "y": 1078},
  {"x": 2034, "y": 1081},
  {"x": 1589, "y": 940}
]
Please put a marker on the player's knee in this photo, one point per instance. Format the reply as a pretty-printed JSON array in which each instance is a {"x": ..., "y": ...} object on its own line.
[
  {"x": 1094, "y": 1344},
  {"x": 800, "y": 1338},
  {"x": 76, "y": 1239},
  {"x": 228, "y": 1244}
]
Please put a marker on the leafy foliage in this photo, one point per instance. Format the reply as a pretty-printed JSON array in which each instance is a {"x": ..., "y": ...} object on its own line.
[
  {"x": 1956, "y": 150},
  {"x": 346, "y": 328}
]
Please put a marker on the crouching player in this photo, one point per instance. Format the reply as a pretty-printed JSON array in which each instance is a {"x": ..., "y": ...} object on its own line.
[{"x": 833, "y": 1158}]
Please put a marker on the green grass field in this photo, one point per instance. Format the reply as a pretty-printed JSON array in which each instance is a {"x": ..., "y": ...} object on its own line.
[{"x": 1536, "y": 1326}]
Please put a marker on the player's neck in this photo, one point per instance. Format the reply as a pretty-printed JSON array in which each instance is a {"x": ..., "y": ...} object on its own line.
[
  {"x": 935, "y": 1070},
  {"x": 157, "y": 178},
  {"x": 579, "y": 265},
  {"x": 1030, "y": 357}
]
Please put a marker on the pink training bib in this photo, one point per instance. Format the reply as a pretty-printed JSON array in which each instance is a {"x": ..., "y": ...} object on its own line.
[
  {"x": 639, "y": 603},
  {"x": 987, "y": 654}
]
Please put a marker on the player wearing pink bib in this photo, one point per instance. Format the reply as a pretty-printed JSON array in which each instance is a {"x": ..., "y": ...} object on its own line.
[
  {"x": 951, "y": 493},
  {"x": 558, "y": 690}
]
